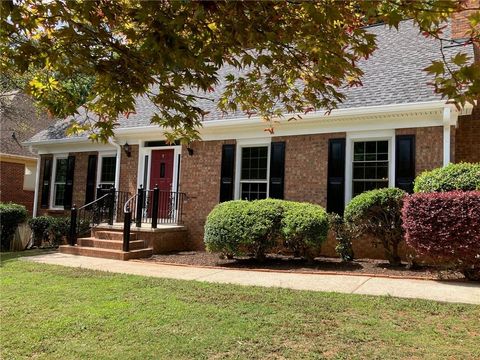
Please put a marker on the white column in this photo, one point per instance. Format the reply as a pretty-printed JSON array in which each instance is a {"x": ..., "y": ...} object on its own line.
[
  {"x": 446, "y": 135},
  {"x": 117, "y": 162},
  {"x": 37, "y": 184}
]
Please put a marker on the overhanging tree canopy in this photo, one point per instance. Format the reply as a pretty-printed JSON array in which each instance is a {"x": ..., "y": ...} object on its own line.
[{"x": 295, "y": 56}]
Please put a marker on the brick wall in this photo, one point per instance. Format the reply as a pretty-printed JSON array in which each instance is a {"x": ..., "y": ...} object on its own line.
[
  {"x": 11, "y": 185},
  {"x": 200, "y": 180},
  {"x": 467, "y": 144},
  {"x": 460, "y": 23},
  {"x": 128, "y": 171},
  {"x": 306, "y": 161},
  {"x": 428, "y": 146}
]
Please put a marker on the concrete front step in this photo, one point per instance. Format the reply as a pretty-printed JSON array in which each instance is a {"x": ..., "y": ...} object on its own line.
[
  {"x": 110, "y": 244},
  {"x": 106, "y": 253},
  {"x": 113, "y": 235}
]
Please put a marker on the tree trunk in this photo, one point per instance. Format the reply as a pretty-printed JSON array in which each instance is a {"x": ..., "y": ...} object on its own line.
[{"x": 392, "y": 255}]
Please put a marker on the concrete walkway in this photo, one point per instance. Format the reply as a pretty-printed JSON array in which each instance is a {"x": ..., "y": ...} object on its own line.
[{"x": 422, "y": 289}]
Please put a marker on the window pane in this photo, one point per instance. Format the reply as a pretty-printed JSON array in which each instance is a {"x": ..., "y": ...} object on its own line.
[
  {"x": 59, "y": 194},
  {"x": 370, "y": 166},
  {"x": 61, "y": 170},
  {"x": 108, "y": 169},
  {"x": 253, "y": 191},
  {"x": 382, "y": 147},
  {"x": 254, "y": 163},
  {"x": 370, "y": 147},
  {"x": 359, "y": 148}
]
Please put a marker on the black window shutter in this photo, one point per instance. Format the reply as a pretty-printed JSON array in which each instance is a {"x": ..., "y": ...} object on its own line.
[
  {"x": 91, "y": 176},
  {"x": 67, "y": 201},
  {"x": 226, "y": 173},
  {"x": 405, "y": 162},
  {"x": 47, "y": 174},
  {"x": 336, "y": 176},
  {"x": 277, "y": 170}
]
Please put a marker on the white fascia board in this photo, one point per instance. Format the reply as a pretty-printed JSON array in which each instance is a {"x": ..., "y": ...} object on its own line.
[
  {"x": 58, "y": 148},
  {"x": 340, "y": 117},
  {"x": 380, "y": 117}
]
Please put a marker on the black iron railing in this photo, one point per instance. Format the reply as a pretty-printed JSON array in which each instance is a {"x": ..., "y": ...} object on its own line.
[
  {"x": 152, "y": 207},
  {"x": 156, "y": 207},
  {"x": 106, "y": 208}
]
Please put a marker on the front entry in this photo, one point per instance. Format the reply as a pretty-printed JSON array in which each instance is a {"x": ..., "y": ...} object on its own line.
[{"x": 161, "y": 174}]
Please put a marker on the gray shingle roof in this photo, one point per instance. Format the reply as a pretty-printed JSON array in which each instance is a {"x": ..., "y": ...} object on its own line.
[
  {"x": 393, "y": 75},
  {"x": 19, "y": 120}
]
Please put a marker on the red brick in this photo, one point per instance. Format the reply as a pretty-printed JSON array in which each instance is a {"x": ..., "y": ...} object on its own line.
[{"x": 11, "y": 185}]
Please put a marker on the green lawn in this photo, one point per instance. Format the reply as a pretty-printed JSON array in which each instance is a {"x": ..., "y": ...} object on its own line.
[{"x": 53, "y": 312}]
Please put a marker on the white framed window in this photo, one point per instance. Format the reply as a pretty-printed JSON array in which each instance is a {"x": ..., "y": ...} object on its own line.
[
  {"x": 59, "y": 179},
  {"x": 106, "y": 170},
  {"x": 370, "y": 165},
  {"x": 369, "y": 161},
  {"x": 252, "y": 170}
]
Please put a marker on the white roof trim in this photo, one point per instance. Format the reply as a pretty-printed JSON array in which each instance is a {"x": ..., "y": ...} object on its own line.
[{"x": 316, "y": 122}]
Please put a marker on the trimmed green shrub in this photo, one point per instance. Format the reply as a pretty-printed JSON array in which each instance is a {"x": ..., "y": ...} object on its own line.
[
  {"x": 59, "y": 228},
  {"x": 255, "y": 227},
  {"x": 40, "y": 227},
  {"x": 225, "y": 227},
  {"x": 377, "y": 213},
  {"x": 462, "y": 176},
  {"x": 341, "y": 230},
  {"x": 239, "y": 227},
  {"x": 263, "y": 218},
  {"x": 11, "y": 215},
  {"x": 304, "y": 228}
]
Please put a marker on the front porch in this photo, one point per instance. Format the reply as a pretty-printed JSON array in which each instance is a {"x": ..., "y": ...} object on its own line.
[{"x": 119, "y": 226}]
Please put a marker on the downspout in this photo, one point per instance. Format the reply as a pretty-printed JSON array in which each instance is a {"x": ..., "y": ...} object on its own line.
[
  {"x": 117, "y": 164},
  {"x": 37, "y": 184}
]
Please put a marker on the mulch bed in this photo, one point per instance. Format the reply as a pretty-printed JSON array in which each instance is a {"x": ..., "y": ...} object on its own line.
[{"x": 319, "y": 265}]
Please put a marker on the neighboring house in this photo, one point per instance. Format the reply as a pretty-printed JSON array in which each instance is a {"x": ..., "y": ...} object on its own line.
[
  {"x": 384, "y": 134},
  {"x": 19, "y": 120}
]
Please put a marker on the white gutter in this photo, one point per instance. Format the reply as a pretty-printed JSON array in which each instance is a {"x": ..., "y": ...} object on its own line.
[
  {"x": 37, "y": 185},
  {"x": 117, "y": 164},
  {"x": 334, "y": 115},
  {"x": 245, "y": 121}
]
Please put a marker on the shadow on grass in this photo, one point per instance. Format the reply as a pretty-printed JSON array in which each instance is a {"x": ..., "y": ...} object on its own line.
[
  {"x": 289, "y": 263},
  {"x": 9, "y": 256}
]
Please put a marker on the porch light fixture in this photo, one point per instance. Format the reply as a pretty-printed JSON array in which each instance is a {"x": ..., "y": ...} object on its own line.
[
  {"x": 127, "y": 149},
  {"x": 190, "y": 151}
]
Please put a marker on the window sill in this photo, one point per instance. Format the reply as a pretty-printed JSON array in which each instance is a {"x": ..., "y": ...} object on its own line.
[{"x": 56, "y": 211}]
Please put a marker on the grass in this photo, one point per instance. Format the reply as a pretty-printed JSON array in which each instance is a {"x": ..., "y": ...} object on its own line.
[{"x": 54, "y": 312}]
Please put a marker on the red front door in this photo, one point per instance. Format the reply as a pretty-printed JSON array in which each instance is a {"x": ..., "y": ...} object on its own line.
[{"x": 161, "y": 174}]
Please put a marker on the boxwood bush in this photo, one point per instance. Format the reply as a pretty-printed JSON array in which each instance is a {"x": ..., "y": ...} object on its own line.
[
  {"x": 377, "y": 213},
  {"x": 40, "y": 228},
  {"x": 462, "y": 176},
  {"x": 55, "y": 229},
  {"x": 11, "y": 215},
  {"x": 225, "y": 227},
  {"x": 59, "y": 228},
  {"x": 446, "y": 228},
  {"x": 242, "y": 227},
  {"x": 304, "y": 228}
]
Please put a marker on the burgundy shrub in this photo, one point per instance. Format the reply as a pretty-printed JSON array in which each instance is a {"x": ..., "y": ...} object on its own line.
[{"x": 444, "y": 226}]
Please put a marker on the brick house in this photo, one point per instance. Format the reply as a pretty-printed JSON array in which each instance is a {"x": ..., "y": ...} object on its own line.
[
  {"x": 18, "y": 165},
  {"x": 384, "y": 134}
]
